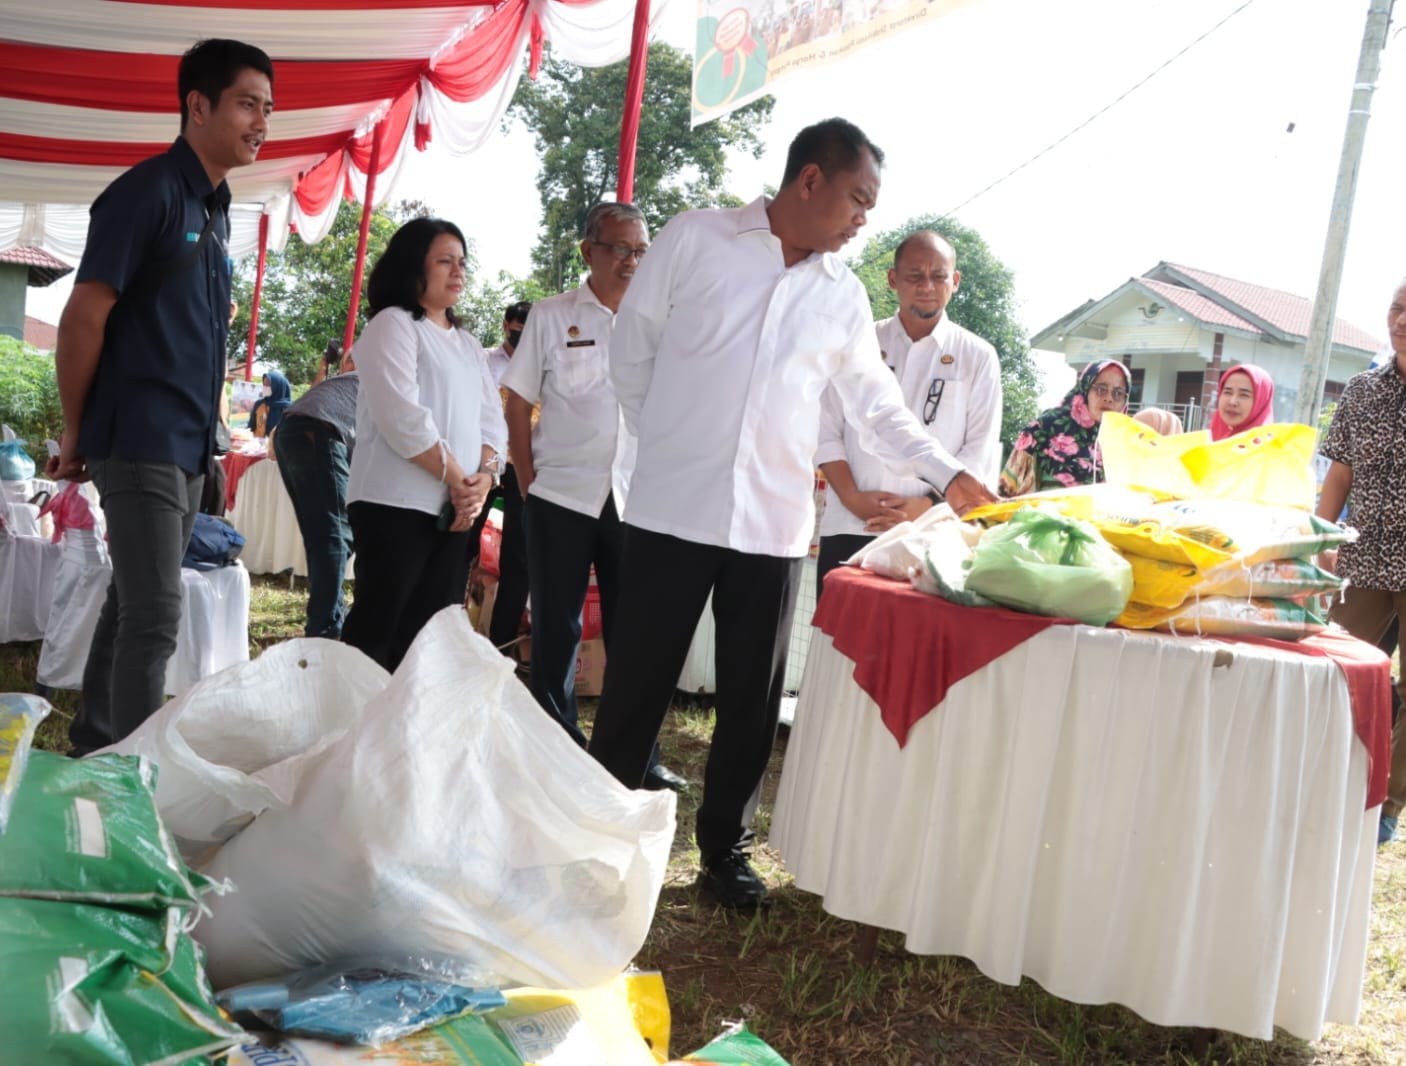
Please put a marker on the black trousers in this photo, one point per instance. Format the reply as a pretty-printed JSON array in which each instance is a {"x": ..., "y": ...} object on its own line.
[
  {"x": 664, "y": 585},
  {"x": 406, "y": 571},
  {"x": 834, "y": 550},
  {"x": 562, "y": 545},
  {"x": 512, "y": 566}
]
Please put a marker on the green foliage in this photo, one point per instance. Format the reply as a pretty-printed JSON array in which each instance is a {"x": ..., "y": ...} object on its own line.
[
  {"x": 575, "y": 114},
  {"x": 984, "y": 303},
  {"x": 1325, "y": 418},
  {"x": 307, "y": 290},
  {"x": 29, "y": 395}
]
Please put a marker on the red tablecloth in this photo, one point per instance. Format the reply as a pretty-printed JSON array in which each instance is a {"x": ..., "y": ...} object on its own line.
[
  {"x": 909, "y": 648},
  {"x": 236, "y": 463}
]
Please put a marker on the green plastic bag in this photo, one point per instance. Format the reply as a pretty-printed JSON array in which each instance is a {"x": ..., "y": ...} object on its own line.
[
  {"x": 93, "y": 984},
  {"x": 736, "y": 1047},
  {"x": 87, "y": 830},
  {"x": 1051, "y": 564}
]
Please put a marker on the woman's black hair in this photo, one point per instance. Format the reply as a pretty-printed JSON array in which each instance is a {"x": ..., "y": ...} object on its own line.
[{"x": 398, "y": 278}]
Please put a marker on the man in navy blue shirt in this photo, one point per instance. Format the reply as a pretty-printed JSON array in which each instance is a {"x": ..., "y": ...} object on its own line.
[{"x": 140, "y": 364}]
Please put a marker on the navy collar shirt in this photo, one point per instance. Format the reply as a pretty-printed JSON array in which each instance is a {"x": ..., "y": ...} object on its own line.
[{"x": 155, "y": 395}]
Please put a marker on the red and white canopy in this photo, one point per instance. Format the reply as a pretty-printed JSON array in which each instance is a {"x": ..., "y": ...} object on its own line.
[{"x": 88, "y": 87}]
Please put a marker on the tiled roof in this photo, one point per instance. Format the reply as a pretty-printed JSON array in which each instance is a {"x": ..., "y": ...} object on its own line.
[
  {"x": 1282, "y": 310},
  {"x": 1201, "y": 308},
  {"x": 40, "y": 334},
  {"x": 44, "y": 269}
]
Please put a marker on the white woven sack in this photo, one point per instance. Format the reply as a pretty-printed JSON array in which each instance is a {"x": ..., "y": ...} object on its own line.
[
  {"x": 456, "y": 820},
  {"x": 237, "y": 742}
]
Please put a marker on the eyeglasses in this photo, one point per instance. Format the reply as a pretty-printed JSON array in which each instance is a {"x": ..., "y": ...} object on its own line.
[
  {"x": 622, "y": 252},
  {"x": 934, "y": 398},
  {"x": 1103, "y": 392}
]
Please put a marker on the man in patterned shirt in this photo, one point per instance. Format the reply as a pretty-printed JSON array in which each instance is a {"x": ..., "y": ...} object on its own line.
[{"x": 1367, "y": 444}]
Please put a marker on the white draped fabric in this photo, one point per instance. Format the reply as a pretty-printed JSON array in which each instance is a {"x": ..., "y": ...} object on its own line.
[
  {"x": 263, "y": 512},
  {"x": 1175, "y": 825},
  {"x": 47, "y": 134}
]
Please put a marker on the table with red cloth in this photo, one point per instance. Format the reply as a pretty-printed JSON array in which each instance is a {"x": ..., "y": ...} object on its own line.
[
  {"x": 236, "y": 465},
  {"x": 1181, "y": 825}
]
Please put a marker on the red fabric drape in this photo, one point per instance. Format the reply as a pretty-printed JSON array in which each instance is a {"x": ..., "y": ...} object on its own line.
[
  {"x": 26, "y": 149},
  {"x": 258, "y": 296},
  {"x": 377, "y": 137},
  {"x": 634, "y": 95}
]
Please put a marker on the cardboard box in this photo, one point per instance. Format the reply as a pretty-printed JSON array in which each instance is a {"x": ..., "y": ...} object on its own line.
[{"x": 590, "y": 667}]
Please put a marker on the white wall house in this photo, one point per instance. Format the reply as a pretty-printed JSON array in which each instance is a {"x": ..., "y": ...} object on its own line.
[{"x": 1177, "y": 328}]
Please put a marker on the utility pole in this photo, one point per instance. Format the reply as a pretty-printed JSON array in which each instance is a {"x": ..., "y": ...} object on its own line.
[{"x": 1325, "y": 303}]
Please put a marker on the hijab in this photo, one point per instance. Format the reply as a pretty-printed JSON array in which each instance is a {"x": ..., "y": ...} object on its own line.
[
  {"x": 272, "y": 406},
  {"x": 1261, "y": 411},
  {"x": 1060, "y": 447},
  {"x": 1160, "y": 421}
]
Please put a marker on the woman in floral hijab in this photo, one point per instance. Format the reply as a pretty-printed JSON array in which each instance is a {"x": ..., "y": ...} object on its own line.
[{"x": 1060, "y": 448}]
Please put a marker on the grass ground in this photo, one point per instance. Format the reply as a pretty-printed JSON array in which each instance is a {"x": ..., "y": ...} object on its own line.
[{"x": 789, "y": 970}]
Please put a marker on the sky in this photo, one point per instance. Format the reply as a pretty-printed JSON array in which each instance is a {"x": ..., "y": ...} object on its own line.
[{"x": 1224, "y": 160}]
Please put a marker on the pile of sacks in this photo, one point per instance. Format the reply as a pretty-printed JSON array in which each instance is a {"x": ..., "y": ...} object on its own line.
[{"x": 95, "y": 911}]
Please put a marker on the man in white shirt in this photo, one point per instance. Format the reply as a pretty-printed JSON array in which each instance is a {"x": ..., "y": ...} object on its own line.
[
  {"x": 951, "y": 379},
  {"x": 514, "y": 320},
  {"x": 724, "y": 343},
  {"x": 573, "y": 466}
]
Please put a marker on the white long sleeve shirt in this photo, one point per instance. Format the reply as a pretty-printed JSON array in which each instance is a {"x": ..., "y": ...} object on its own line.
[
  {"x": 419, "y": 384},
  {"x": 962, "y": 375},
  {"x": 581, "y": 452},
  {"x": 719, "y": 358}
]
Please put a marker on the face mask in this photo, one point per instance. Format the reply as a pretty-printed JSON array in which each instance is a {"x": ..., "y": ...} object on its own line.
[
  {"x": 513, "y": 336},
  {"x": 268, "y": 390}
]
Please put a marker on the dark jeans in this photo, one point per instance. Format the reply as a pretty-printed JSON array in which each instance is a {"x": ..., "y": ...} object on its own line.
[
  {"x": 150, "y": 509},
  {"x": 562, "y": 544},
  {"x": 406, "y": 571},
  {"x": 512, "y": 567},
  {"x": 834, "y": 550},
  {"x": 664, "y": 584},
  {"x": 313, "y": 462}
]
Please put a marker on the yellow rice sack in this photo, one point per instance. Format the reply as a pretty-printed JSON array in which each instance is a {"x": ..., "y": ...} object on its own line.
[
  {"x": 1160, "y": 583},
  {"x": 1227, "y": 616},
  {"x": 1270, "y": 464},
  {"x": 1136, "y": 456}
]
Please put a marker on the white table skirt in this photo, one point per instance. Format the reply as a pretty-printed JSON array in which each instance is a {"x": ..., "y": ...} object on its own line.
[
  {"x": 214, "y": 630},
  {"x": 263, "y": 512},
  {"x": 1170, "y": 824}
]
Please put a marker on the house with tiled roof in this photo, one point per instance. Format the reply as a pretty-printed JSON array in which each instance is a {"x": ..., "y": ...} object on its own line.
[{"x": 1176, "y": 328}]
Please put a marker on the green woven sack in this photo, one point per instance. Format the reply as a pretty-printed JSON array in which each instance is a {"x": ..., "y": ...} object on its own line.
[
  {"x": 87, "y": 830},
  {"x": 1051, "y": 564},
  {"x": 92, "y": 984}
]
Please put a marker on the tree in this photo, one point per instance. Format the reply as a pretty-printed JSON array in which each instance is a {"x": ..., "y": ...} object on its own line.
[
  {"x": 29, "y": 396},
  {"x": 307, "y": 289},
  {"x": 984, "y": 304},
  {"x": 575, "y": 115}
]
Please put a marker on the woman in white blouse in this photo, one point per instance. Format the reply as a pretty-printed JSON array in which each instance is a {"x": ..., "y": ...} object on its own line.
[{"x": 429, "y": 433}]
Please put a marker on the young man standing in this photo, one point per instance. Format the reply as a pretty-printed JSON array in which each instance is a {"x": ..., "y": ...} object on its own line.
[
  {"x": 140, "y": 364},
  {"x": 730, "y": 331}
]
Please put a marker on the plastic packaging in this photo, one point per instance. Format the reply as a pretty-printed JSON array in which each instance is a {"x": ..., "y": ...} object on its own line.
[
  {"x": 1225, "y": 616},
  {"x": 15, "y": 463},
  {"x": 93, "y": 984},
  {"x": 20, "y": 716},
  {"x": 1136, "y": 456},
  {"x": 738, "y": 1046},
  {"x": 369, "y": 1002},
  {"x": 86, "y": 830},
  {"x": 454, "y": 819},
  {"x": 1051, "y": 564},
  {"x": 1160, "y": 583}
]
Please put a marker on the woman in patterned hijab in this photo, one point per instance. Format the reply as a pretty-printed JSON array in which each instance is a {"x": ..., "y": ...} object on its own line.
[{"x": 1060, "y": 448}]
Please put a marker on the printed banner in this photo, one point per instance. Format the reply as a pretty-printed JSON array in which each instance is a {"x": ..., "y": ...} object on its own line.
[{"x": 745, "y": 46}]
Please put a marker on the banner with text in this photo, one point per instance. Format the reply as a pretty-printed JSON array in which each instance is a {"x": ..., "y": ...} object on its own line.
[{"x": 745, "y": 46}]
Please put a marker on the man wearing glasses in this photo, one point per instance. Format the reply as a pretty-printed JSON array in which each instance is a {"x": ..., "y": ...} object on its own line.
[
  {"x": 573, "y": 466},
  {"x": 950, "y": 378}
]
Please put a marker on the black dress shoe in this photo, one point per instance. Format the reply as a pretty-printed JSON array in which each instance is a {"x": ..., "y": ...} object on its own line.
[
  {"x": 660, "y": 777},
  {"x": 730, "y": 879}
]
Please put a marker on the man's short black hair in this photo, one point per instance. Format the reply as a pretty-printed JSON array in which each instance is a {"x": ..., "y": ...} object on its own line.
[
  {"x": 398, "y": 278},
  {"x": 834, "y": 145},
  {"x": 517, "y": 312},
  {"x": 211, "y": 67}
]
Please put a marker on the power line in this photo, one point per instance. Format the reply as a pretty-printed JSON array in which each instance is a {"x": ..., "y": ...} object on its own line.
[{"x": 1106, "y": 107}]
